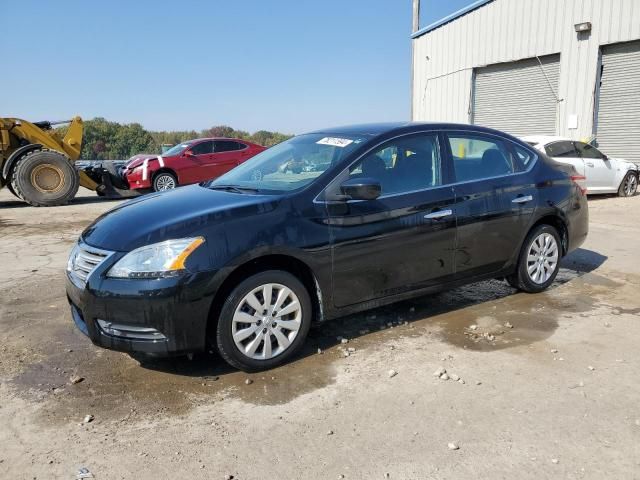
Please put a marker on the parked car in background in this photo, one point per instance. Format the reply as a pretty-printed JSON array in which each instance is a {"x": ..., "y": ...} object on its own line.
[
  {"x": 188, "y": 162},
  {"x": 603, "y": 174},
  {"x": 247, "y": 262}
]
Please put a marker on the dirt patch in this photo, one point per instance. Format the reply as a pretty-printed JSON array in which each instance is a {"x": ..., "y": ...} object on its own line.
[{"x": 10, "y": 228}]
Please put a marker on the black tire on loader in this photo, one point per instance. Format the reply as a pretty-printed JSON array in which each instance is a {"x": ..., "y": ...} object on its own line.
[
  {"x": 10, "y": 188},
  {"x": 45, "y": 178}
]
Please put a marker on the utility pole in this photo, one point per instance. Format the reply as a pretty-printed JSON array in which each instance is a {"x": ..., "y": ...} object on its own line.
[{"x": 414, "y": 29}]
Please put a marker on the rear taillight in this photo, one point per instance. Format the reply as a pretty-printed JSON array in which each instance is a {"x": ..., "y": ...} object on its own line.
[{"x": 581, "y": 183}]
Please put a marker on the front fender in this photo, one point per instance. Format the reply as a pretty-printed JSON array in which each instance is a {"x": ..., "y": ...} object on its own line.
[{"x": 7, "y": 168}]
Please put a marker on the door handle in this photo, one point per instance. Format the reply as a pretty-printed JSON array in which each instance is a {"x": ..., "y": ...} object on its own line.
[
  {"x": 522, "y": 199},
  {"x": 438, "y": 214},
  {"x": 589, "y": 164}
]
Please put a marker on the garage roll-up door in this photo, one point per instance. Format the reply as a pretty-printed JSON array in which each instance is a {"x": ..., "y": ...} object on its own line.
[
  {"x": 518, "y": 97},
  {"x": 618, "y": 127}
]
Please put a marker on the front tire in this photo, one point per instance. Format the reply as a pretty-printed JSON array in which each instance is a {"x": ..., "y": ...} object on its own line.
[
  {"x": 539, "y": 260},
  {"x": 164, "y": 181},
  {"x": 264, "y": 321},
  {"x": 629, "y": 185},
  {"x": 45, "y": 178}
]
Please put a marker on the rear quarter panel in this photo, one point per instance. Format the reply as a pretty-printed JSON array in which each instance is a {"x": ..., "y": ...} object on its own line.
[{"x": 561, "y": 197}]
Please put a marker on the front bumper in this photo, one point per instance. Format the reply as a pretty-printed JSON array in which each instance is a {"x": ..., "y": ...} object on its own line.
[
  {"x": 125, "y": 314},
  {"x": 136, "y": 179}
]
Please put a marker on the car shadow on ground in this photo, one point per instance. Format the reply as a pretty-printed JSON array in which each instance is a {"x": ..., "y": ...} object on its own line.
[
  {"x": 608, "y": 196},
  {"x": 17, "y": 203},
  {"x": 331, "y": 333}
]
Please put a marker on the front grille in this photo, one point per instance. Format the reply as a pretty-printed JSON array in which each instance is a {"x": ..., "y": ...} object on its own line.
[{"x": 83, "y": 260}]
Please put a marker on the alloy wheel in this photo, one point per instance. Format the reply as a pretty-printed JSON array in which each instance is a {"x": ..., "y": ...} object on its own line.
[
  {"x": 630, "y": 185},
  {"x": 165, "y": 182},
  {"x": 542, "y": 258},
  {"x": 266, "y": 321}
]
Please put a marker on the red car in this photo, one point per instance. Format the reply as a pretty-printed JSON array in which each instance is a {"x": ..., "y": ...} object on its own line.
[{"x": 189, "y": 162}]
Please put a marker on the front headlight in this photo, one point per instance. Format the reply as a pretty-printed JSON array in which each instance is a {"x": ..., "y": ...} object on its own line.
[{"x": 164, "y": 259}]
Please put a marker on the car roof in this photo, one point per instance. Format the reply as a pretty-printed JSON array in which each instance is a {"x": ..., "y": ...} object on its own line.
[
  {"x": 219, "y": 138},
  {"x": 375, "y": 129},
  {"x": 544, "y": 139},
  {"x": 363, "y": 129}
]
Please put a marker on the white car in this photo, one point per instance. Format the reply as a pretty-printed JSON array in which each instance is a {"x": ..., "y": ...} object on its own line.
[{"x": 603, "y": 174}]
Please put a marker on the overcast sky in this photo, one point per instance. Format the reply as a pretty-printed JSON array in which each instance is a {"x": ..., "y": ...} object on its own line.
[{"x": 287, "y": 65}]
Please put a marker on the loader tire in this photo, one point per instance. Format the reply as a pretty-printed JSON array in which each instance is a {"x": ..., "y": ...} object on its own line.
[
  {"x": 10, "y": 188},
  {"x": 45, "y": 178}
]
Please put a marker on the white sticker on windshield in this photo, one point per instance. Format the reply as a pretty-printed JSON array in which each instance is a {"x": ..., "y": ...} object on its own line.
[{"x": 335, "y": 142}]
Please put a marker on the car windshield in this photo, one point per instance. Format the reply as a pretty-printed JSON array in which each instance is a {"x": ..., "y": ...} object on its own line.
[
  {"x": 290, "y": 165},
  {"x": 177, "y": 149}
]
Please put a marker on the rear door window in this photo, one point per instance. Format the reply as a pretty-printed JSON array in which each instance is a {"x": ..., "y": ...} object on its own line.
[
  {"x": 227, "y": 146},
  {"x": 476, "y": 156},
  {"x": 563, "y": 149}
]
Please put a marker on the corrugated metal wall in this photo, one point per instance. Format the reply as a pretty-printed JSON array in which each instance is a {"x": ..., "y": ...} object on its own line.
[{"x": 509, "y": 30}]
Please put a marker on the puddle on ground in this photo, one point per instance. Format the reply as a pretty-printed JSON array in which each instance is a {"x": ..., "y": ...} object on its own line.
[{"x": 117, "y": 386}]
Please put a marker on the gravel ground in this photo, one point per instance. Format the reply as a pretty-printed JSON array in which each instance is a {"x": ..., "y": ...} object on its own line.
[{"x": 479, "y": 382}]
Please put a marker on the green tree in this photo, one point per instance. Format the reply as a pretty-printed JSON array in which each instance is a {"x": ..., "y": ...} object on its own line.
[
  {"x": 219, "y": 131},
  {"x": 105, "y": 140}
]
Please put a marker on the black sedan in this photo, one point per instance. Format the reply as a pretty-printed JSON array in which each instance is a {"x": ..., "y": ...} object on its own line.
[{"x": 247, "y": 262}]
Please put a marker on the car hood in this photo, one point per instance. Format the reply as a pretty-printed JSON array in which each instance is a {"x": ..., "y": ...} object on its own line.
[
  {"x": 139, "y": 160},
  {"x": 179, "y": 213}
]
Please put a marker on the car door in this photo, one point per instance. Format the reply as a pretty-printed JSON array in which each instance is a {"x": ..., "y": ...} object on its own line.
[
  {"x": 244, "y": 152},
  {"x": 565, "y": 151},
  {"x": 226, "y": 155},
  {"x": 404, "y": 239},
  {"x": 599, "y": 170},
  {"x": 197, "y": 159},
  {"x": 495, "y": 200}
]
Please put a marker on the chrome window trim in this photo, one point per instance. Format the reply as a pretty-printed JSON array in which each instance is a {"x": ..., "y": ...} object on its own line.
[{"x": 532, "y": 163}]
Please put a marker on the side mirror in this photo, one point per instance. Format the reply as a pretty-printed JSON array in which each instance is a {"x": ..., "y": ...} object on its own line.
[
  {"x": 361, "y": 189},
  {"x": 605, "y": 158},
  {"x": 189, "y": 153}
]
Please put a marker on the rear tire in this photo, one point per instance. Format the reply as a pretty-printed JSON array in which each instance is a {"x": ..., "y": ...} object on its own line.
[
  {"x": 539, "y": 260},
  {"x": 45, "y": 178},
  {"x": 164, "y": 181},
  {"x": 629, "y": 185},
  {"x": 250, "y": 318}
]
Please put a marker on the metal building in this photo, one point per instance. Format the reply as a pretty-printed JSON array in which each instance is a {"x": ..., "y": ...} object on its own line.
[{"x": 556, "y": 67}]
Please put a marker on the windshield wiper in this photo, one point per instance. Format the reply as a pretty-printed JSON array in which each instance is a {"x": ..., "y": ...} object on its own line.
[{"x": 234, "y": 188}]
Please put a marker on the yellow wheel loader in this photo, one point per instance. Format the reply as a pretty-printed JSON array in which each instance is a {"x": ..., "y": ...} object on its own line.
[{"x": 37, "y": 162}]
